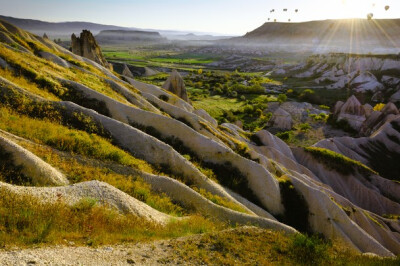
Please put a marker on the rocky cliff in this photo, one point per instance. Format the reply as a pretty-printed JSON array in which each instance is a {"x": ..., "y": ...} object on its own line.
[{"x": 86, "y": 46}]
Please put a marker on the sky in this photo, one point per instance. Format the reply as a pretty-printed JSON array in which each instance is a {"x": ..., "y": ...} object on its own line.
[{"x": 229, "y": 17}]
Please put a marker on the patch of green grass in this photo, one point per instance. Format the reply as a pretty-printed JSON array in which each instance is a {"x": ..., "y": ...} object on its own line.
[
  {"x": 26, "y": 221},
  {"x": 338, "y": 162},
  {"x": 80, "y": 171},
  {"x": 65, "y": 139},
  {"x": 252, "y": 246}
]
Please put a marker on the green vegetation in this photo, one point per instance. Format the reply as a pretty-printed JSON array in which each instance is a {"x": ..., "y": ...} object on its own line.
[
  {"x": 66, "y": 139},
  {"x": 80, "y": 170},
  {"x": 296, "y": 208},
  {"x": 338, "y": 162},
  {"x": 26, "y": 221},
  {"x": 156, "y": 56},
  {"x": 379, "y": 106},
  {"x": 220, "y": 200},
  {"x": 11, "y": 173},
  {"x": 252, "y": 246}
]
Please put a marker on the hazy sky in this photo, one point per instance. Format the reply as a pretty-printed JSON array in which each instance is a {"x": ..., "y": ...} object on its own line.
[{"x": 222, "y": 16}]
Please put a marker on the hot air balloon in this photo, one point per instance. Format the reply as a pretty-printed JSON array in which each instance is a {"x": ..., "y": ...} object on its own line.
[
  {"x": 285, "y": 9},
  {"x": 370, "y": 16},
  {"x": 289, "y": 20},
  {"x": 296, "y": 10},
  {"x": 387, "y": 8}
]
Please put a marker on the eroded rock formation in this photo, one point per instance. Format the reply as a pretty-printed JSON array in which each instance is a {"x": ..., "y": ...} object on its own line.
[
  {"x": 176, "y": 85},
  {"x": 86, "y": 46}
]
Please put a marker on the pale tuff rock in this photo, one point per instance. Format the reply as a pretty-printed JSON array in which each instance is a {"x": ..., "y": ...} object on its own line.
[
  {"x": 86, "y": 46},
  {"x": 366, "y": 82},
  {"x": 103, "y": 193},
  {"x": 363, "y": 118},
  {"x": 126, "y": 71},
  {"x": 394, "y": 98},
  {"x": 352, "y": 111},
  {"x": 203, "y": 114},
  {"x": 390, "y": 81},
  {"x": 176, "y": 85},
  {"x": 162, "y": 94},
  {"x": 40, "y": 173},
  {"x": 53, "y": 58},
  {"x": 280, "y": 120}
]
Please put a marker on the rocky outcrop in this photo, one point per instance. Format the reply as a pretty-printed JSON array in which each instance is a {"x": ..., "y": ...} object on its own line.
[
  {"x": 176, "y": 85},
  {"x": 39, "y": 172},
  {"x": 280, "y": 121},
  {"x": 86, "y": 46},
  {"x": 381, "y": 151},
  {"x": 127, "y": 72},
  {"x": 362, "y": 118},
  {"x": 366, "y": 82},
  {"x": 351, "y": 111},
  {"x": 360, "y": 73},
  {"x": 103, "y": 193}
]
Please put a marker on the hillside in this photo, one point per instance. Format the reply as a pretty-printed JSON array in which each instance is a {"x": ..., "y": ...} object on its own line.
[
  {"x": 357, "y": 35},
  {"x": 92, "y": 157},
  {"x": 128, "y": 36},
  {"x": 57, "y": 29}
]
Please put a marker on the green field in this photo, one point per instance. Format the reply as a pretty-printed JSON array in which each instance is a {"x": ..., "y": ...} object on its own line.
[{"x": 142, "y": 56}]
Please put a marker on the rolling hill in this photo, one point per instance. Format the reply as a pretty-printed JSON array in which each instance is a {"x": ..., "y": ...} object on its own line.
[{"x": 350, "y": 35}]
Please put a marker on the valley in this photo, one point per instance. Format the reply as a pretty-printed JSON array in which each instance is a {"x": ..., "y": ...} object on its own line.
[{"x": 128, "y": 146}]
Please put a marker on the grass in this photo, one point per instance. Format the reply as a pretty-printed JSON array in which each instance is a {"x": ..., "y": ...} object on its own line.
[
  {"x": 338, "y": 162},
  {"x": 253, "y": 246},
  {"x": 25, "y": 221},
  {"x": 220, "y": 200},
  {"x": 296, "y": 208},
  {"x": 9, "y": 172},
  {"x": 35, "y": 70},
  {"x": 44, "y": 131},
  {"x": 216, "y": 105},
  {"x": 144, "y": 57},
  {"x": 80, "y": 170},
  {"x": 21, "y": 81}
]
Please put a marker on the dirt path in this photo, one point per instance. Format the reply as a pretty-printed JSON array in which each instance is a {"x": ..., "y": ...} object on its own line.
[{"x": 159, "y": 252}]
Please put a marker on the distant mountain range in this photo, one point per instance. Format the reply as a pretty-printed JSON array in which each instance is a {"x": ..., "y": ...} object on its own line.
[
  {"x": 126, "y": 36},
  {"x": 58, "y": 29},
  {"x": 64, "y": 30},
  {"x": 348, "y": 35}
]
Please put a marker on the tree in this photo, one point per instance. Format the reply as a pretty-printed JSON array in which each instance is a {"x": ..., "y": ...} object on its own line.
[{"x": 282, "y": 98}]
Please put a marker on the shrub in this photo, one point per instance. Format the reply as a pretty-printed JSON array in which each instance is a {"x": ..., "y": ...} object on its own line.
[
  {"x": 305, "y": 127},
  {"x": 164, "y": 98},
  {"x": 285, "y": 136},
  {"x": 296, "y": 208},
  {"x": 308, "y": 250},
  {"x": 339, "y": 162},
  {"x": 309, "y": 95},
  {"x": 282, "y": 98},
  {"x": 379, "y": 107}
]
